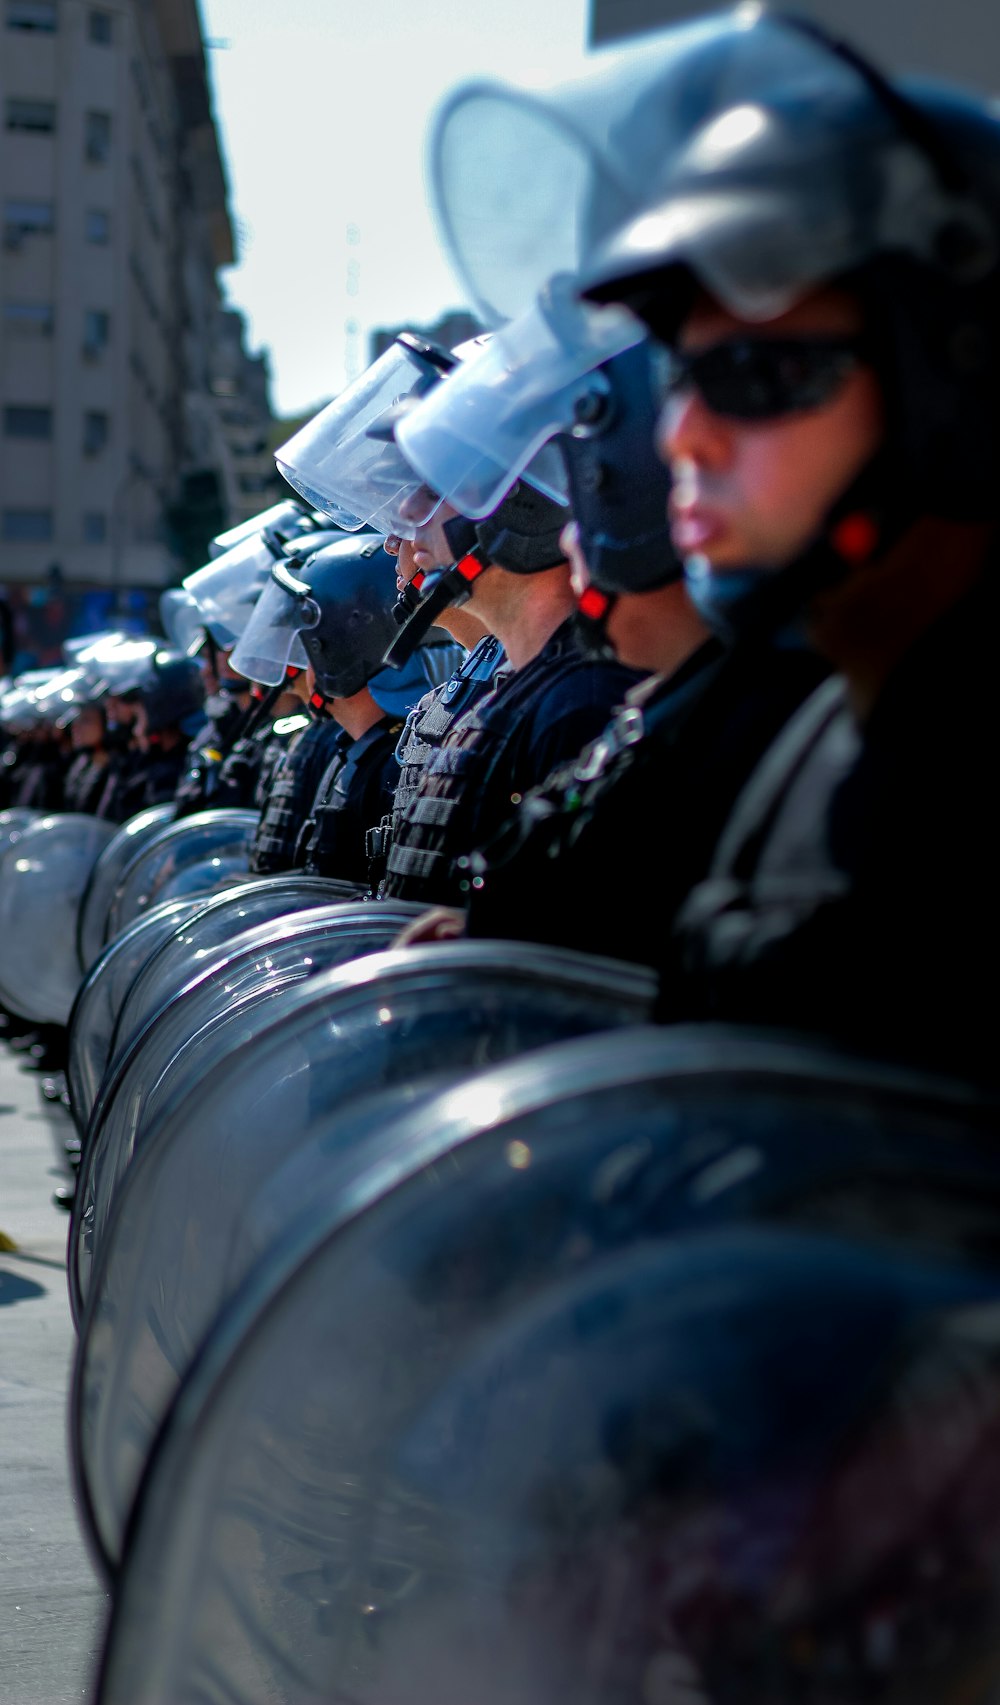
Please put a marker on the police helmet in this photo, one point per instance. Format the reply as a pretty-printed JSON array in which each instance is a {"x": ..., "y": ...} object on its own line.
[
  {"x": 172, "y": 692},
  {"x": 336, "y": 605}
]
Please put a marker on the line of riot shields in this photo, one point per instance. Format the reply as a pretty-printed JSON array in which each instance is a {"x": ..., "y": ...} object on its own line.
[{"x": 478, "y": 1297}]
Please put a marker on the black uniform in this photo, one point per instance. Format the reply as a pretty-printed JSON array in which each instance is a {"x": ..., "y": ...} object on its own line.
[
  {"x": 39, "y": 777},
  {"x": 121, "y": 785},
  {"x": 855, "y": 888},
  {"x": 198, "y": 786},
  {"x": 602, "y": 855},
  {"x": 528, "y": 722},
  {"x": 356, "y": 790},
  {"x": 151, "y": 779},
  {"x": 290, "y": 797},
  {"x": 85, "y": 782}
]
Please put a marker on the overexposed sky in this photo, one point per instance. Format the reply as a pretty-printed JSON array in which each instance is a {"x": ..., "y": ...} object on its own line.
[{"x": 323, "y": 109}]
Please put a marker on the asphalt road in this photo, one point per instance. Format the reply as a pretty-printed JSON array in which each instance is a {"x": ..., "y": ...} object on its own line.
[{"x": 52, "y": 1604}]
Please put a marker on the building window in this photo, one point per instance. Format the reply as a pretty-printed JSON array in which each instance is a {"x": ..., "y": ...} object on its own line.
[
  {"x": 23, "y": 421},
  {"x": 98, "y": 225},
  {"x": 38, "y": 16},
  {"x": 95, "y": 527},
  {"x": 37, "y": 118},
  {"x": 100, "y": 27},
  {"x": 96, "y": 432},
  {"x": 30, "y": 317},
  {"x": 96, "y": 332},
  {"x": 97, "y": 137},
  {"x": 26, "y": 526},
  {"x": 25, "y": 218}
]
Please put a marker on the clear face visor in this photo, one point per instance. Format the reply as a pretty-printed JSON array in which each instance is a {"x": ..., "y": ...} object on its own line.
[
  {"x": 798, "y": 172},
  {"x": 285, "y": 517},
  {"x": 491, "y": 420},
  {"x": 354, "y": 478},
  {"x": 121, "y": 667},
  {"x": 182, "y": 622},
  {"x": 271, "y": 642},
  {"x": 63, "y": 697},
  {"x": 226, "y": 591}
]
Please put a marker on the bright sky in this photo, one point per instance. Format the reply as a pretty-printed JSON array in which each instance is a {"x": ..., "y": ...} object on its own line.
[{"x": 323, "y": 107}]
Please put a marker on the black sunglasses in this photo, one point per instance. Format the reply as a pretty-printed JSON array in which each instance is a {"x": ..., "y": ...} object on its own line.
[{"x": 761, "y": 378}]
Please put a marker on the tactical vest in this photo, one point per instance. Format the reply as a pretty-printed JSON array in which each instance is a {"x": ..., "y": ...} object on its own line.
[
  {"x": 470, "y": 782},
  {"x": 290, "y": 798},
  {"x": 332, "y": 842},
  {"x": 276, "y": 740},
  {"x": 424, "y": 732},
  {"x": 429, "y": 721}
]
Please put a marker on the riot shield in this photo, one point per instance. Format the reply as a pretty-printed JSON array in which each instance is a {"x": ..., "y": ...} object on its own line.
[
  {"x": 423, "y": 1425},
  {"x": 42, "y": 876},
  {"x": 208, "y": 840},
  {"x": 99, "y": 892},
  {"x": 163, "y": 1266},
  {"x": 95, "y": 1027},
  {"x": 224, "y": 1006},
  {"x": 13, "y": 823},
  {"x": 221, "y": 919},
  {"x": 96, "y": 1007}
]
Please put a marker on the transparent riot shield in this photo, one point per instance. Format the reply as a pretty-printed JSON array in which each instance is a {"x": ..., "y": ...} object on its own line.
[
  {"x": 95, "y": 1009},
  {"x": 225, "y": 1005},
  {"x": 164, "y": 1265},
  {"x": 42, "y": 876},
  {"x": 13, "y": 823},
  {"x": 398, "y": 1372},
  {"x": 221, "y": 919},
  {"x": 214, "y": 843},
  {"x": 102, "y": 997},
  {"x": 99, "y": 892}
]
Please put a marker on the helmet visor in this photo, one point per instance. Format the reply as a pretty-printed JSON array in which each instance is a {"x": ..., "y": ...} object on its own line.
[
  {"x": 226, "y": 590},
  {"x": 477, "y": 431},
  {"x": 121, "y": 667},
  {"x": 357, "y": 479},
  {"x": 182, "y": 622},
  {"x": 284, "y": 517},
  {"x": 740, "y": 146},
  {"x": 271, "y": 641}
]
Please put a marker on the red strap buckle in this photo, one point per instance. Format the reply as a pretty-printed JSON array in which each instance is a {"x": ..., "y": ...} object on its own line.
[
  {"x": 470, "y": 568},
  {"x": 594, "y": 604},
  {"x": 855, "y": 537}
]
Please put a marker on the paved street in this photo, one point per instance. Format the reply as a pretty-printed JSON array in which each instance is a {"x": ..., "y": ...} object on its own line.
[{"x": 51, "y": 1602}]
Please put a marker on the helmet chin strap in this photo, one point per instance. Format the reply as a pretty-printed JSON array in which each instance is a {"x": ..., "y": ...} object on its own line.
[
  {"x": 440, "y": 590},
  {"x": 753, "y": 601}
]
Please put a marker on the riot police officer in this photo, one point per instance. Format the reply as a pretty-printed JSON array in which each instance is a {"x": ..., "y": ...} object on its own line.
[
  {"x": 332, "y": 611},
  {"x": 832, "y": 424}
]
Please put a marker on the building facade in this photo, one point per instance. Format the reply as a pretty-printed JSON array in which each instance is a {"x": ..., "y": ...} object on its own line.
[
  {"x": 118, "y": 364},
  {"x": 959, "y": 41}
]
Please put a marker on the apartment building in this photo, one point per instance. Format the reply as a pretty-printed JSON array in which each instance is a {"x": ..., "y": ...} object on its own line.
[
  {"x": 959, "y": 41},
  {"x": 117, "y": 359}
]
